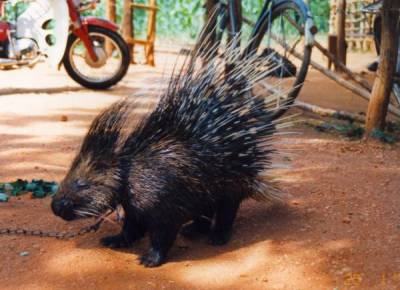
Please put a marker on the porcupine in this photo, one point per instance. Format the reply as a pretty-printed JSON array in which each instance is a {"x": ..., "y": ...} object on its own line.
[{"x": 191, "y": 161}]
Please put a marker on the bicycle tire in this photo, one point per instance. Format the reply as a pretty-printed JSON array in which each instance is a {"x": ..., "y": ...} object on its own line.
[{"x": 277, "y": 10}]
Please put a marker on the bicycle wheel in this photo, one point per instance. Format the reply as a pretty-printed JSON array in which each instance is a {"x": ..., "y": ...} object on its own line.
[{"x": 281, "y": 37}]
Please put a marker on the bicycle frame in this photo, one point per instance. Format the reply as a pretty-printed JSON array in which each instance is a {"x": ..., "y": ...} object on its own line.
[
  {"x": 228, "y": 17},
  {"x": 233, "y": 21}
]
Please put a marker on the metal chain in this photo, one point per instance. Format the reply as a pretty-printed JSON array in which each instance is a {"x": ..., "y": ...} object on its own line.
[{"x": 51, "y": 234}]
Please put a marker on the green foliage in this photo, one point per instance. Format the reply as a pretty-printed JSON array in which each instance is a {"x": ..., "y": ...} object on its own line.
[
  {"x": 355, "y": 131},
  {"x": 383, "y": 136},
  {"x": 347, "y": 129},
  {"x": 320, "y": 12},
  {"x": 184, "y": 18},
  {"x": 13, "y": 11}
]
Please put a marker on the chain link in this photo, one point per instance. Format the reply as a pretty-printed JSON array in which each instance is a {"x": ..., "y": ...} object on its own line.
[{"x": 51, "y": 234}]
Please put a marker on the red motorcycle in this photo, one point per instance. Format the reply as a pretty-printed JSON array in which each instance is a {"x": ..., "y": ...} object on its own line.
[{"x": 90, "y": 48}]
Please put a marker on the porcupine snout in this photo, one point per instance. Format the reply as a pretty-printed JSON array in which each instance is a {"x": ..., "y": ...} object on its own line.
[{"x": 63, "y": 207}]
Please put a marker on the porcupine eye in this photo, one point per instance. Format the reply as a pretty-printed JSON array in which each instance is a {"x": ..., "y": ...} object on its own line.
[{"x": 81, "y": 184}]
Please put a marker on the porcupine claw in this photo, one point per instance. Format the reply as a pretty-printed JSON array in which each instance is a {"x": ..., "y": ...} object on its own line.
[{"x": 152, "y": 258}]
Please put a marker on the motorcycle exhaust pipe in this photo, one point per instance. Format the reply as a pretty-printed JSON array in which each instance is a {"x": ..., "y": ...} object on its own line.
[{"x": 7, "y": 62}]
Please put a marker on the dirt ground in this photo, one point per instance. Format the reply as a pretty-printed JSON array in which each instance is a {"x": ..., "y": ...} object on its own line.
[{"x": 339, "y": 231}]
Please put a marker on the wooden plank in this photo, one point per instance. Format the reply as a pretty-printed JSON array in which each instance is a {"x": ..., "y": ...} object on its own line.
[
  {"x": 324, "y": 112},
  {"x": 144, "y": 6},
  {"x": 137, "y": 41},
  {"x": 361, "y": 81}
]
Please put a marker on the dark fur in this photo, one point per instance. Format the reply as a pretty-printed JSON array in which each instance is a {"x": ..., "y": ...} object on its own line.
[{"x": 195, "y": 158}]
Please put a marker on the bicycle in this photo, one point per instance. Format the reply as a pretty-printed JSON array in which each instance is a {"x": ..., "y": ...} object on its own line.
[{"x": 272, "y": 34}]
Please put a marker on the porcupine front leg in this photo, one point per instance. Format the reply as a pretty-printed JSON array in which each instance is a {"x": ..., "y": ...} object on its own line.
[
  {"x": 131, "y": 231},
  {"x": 161, "y": 239},
  {"x": 225, "y": 216}
]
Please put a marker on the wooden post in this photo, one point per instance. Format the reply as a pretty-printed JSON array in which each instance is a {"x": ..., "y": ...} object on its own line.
[
  {"x": 151, "y": 34},
  {"x": 128, "y": 27},
  {"x": 111, "y": 12},
  {"x": 341, "y": 32},
  {"x": 332, "y": 48},
  {"x": 148, "y": 43},
  {"x": 2, "y": 14},
  {"x": 378, "y": 105}
]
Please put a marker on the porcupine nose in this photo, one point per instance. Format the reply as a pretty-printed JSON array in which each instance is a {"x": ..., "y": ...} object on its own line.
[{"x": 63, "y": 207}]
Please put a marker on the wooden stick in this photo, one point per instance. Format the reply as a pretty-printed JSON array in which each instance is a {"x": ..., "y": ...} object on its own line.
[
  {"x": 338, "y": 64},
  {"x": 341, "y": 115},
  {"x": 144, "y": 6},
  {"x": 359, "y": 80},
  {"x": 348, "y": 85},
  {"x": 364, "y": 93}
]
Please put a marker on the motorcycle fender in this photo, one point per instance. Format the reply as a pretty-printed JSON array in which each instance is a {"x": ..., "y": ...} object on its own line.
[{"x": 94, "y": 21}]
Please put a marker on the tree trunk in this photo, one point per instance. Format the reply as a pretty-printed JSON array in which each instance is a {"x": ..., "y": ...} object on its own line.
[{"x": 378, "y": 105}]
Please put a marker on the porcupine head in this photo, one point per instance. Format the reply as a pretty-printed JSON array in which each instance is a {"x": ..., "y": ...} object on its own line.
[{"x": 90, "y": 187}]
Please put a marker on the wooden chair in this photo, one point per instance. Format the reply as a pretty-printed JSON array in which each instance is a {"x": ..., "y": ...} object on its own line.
[{"x": 128, "y": 31}]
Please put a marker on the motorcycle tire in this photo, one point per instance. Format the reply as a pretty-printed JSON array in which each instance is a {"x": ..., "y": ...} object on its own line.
[{"x": 107, "y": 83}]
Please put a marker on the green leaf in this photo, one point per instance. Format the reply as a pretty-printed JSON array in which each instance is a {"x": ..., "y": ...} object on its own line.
[
  {"x": 3, "y": 197},
  {"x": 39, "y": 192},
  {"x": 31, "y": 186},
  {"x": 38, "y": 187},
  {"x": 383, "y": 136},
  {"x": 18, "y": 187}
]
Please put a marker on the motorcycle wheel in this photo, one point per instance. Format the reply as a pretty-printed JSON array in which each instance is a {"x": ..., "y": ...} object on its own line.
[{"x": 111, "y": 66}]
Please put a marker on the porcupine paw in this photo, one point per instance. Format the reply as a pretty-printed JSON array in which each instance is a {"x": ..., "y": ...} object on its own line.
[
  {"x": 195, "y": 228},
  {"x": 115, "y": 242},
  {"x": 152, "y": 258},
  {"x": 219, "y": 238}
]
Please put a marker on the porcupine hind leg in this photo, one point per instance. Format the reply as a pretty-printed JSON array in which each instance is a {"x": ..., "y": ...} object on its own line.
[
  {"x": 199, "y": 226},
  {"x": 131, "y": 231},
  {"x": 225, "y": 216},
  {"x": 162, "y": 237}
]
